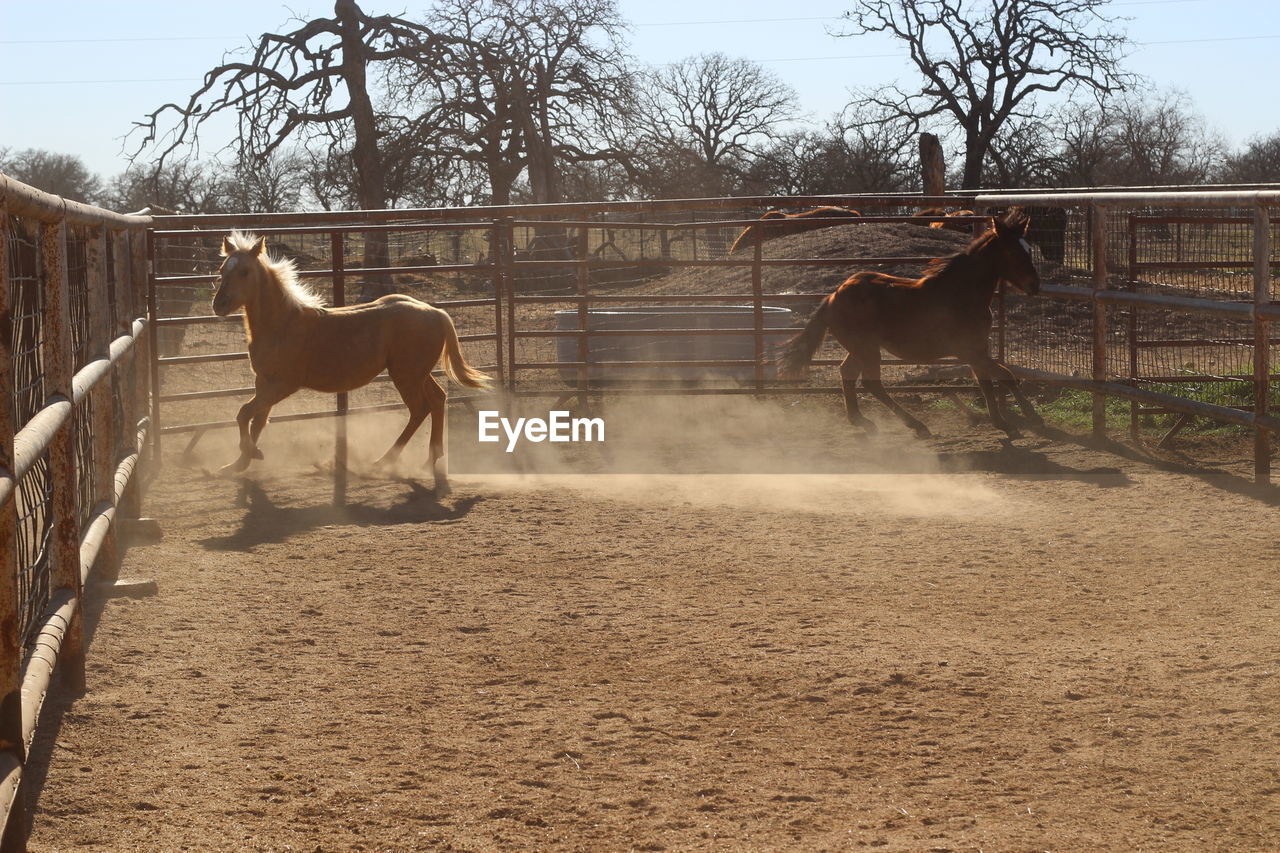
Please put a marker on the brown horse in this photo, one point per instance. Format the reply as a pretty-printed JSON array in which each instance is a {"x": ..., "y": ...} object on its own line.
[
  {"x": 295, "y": 342},
  {"x": 775, "y": 223},
  {"x": 947, "y": 312},
  {"x": 962, "y": 227}
]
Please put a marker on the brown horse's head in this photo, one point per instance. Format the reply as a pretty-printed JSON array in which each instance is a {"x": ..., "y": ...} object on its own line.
[
  {"x": 1013, "y": 253},
  {"x": 240, "y": 272}
]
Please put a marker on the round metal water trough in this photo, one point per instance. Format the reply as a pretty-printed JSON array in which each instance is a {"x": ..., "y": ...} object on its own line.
[{"x": 674, "y": 333}]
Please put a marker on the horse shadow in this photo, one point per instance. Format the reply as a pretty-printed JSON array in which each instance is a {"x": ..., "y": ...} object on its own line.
[{"x": 266, "y": 521}]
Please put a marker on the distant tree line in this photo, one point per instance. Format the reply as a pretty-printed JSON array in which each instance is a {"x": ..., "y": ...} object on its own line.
[{"x": 502, "y": 101}]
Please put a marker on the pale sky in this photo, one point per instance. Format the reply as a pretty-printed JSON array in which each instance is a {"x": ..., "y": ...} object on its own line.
[{"x": 74, "y": 75}]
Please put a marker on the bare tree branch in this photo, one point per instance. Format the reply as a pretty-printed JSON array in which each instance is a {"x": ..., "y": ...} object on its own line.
[{"x": 984, "y": 64}]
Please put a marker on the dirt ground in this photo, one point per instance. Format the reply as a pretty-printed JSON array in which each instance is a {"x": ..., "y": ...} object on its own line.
[{"x": 807, "y": 641}]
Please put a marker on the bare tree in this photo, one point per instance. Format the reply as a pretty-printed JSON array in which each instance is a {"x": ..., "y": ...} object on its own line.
[
  {"x": 719, "y": 109},
  {"x": 846, "y": 156},
  {"x": 177, "y": 186},
  {"x": 1161, "y": 139},
  {"x": 306, "y": 87},
  {"x": 272, "y": 184},
  {"x": 61, "y": 174},
  {"x": 984, "y": 64},
  {"x": 1258, "y": 163},
  {"x": 527, "y": 94},
  {"x": 1085, "y": 151},
  {"x": 1147, "y": 138},
  {"x": 1023, "y": 155}
]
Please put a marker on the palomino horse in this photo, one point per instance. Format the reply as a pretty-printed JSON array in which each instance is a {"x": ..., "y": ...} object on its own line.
[
  {"x": 775, "y": 223},
  {"x": 295, "y": 342},
  {"x": 947, "y": 312}
]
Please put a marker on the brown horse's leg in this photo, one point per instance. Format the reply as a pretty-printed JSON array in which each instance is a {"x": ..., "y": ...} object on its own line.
[
  {"x": 411, "y": 391},
  {"x": 995, "y": 406},
  {"x": 989, "y": 370},
  {"x": 436, "y": 398},
  {"x": 871, "y": 381},
  {"x": 849, "y": 370}
]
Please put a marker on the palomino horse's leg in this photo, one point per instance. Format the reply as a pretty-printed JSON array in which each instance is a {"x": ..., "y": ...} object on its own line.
[
  {"x": 436, "y": 399},
  {"x": 255, "y": 412},
  {"x": 871, "y": 381},
  {"x": 414, "y": 396},
  {"x": 849, "y": 370}
]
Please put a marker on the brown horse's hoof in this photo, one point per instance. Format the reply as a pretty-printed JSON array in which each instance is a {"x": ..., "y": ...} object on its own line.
[{"x": 921, "y": 431}]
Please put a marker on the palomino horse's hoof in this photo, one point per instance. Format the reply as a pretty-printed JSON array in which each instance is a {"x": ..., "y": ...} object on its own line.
[
  {"x": 236, "y": 467},
  {"x": 443, "y": 489}
]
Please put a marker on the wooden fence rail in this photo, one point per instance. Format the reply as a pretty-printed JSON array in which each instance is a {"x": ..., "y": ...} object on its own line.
[{"x": 89, "y": 364}]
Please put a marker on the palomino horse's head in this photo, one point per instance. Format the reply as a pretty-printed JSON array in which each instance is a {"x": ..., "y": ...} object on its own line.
[
  {"x": 240, "y": 273},
  {"x": 1013, "y": 253}
]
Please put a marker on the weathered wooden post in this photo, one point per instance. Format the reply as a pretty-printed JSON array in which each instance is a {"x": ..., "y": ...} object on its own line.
[
  {"x": 933, "y": 168},
  {"x": 64, "y": 557},
  {"x": 1261, "y": 341}
]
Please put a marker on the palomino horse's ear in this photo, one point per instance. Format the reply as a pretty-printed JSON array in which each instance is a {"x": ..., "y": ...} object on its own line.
[
  {"x": 227, "y": 248},
  {"x": 261, "y": 248}
]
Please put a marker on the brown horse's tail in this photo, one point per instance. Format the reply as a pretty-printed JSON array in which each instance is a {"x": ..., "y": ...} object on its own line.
[
  {"x": 747, "y": 232},
  {"x": 455, "y": 366},
  {"x": 796, "y": 353}
]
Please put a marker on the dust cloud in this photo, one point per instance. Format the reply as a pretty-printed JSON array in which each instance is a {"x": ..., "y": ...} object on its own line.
[{"x": 794, "y": 454}]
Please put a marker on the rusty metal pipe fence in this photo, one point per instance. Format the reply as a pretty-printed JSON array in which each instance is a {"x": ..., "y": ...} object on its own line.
[
  {"x": 1152, "y": 297},
  {"x": 73, "y": 386}
]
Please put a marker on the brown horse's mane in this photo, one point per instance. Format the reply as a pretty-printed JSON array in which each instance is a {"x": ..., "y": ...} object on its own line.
[
  {"x": 283, "y": 270},
  {"x": 939, "y": 267}
]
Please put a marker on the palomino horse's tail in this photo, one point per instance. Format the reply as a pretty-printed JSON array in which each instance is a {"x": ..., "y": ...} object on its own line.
[
  {"x": 455, "y": 366},
  {"x": 796, "y": 353}
]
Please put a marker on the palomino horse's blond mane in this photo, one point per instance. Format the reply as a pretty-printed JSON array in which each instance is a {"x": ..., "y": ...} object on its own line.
[{"x": 284, "y": 270}]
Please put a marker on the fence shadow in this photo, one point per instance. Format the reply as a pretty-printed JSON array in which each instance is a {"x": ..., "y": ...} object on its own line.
[{"x": 1224, "y": 480}]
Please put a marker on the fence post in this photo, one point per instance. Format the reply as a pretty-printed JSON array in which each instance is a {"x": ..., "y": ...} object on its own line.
[
  {"x": 504, "y": 256},
  {"x": 584, "y": 295},
  {"x": 105, "y": 442},
  {"x": 1261, "y": 341},
  {"x": 499, "y": 361},
  {"x": 64, "y": 556},
  {"x": 1098, "y": 234},
  {"x": 757, "y": 302},
  {"x": 133, "y": 393},
  {"x": 153, "y": 334},
  {"x": 337, "y": 249},
  {"x": 11, "y": 740}
]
